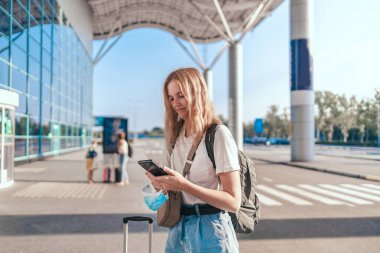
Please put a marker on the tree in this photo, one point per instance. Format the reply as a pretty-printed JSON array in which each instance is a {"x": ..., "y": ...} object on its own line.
[
  {"x": 346, "y": 118},
  {"x": 271, "y": 121},
  {"x": 248, "y": 129}
]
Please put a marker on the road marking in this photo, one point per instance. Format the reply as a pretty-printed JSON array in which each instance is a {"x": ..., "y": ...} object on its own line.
[
  {"x": 63, "y": 190},
  {"x": 267, "y": 201},
  {"x": 284, "y": 196},
  {"x": 267, "y": 179},
  {"x": 351, "y": 192},
  {"x": 29, "y": 170},
  {"x": 310, "y": 195},
  {"x": 355, "y": 187},
  {"x": 335, "y": 194},
  {"x": 371, "y": 186}
]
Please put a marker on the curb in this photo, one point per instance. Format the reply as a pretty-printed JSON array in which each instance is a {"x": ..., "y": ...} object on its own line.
[
  {"x": 348, "y": 156},
  {"x": 335, "y": 172}
]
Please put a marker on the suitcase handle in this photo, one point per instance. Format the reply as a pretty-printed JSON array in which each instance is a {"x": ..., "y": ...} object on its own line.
[{"x": 137, "y": 218}]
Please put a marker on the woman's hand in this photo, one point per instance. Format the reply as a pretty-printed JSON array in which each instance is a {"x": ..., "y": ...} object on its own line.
[{"x": 174, "y": 181}]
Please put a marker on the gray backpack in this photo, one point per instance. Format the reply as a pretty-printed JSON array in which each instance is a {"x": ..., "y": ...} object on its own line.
[{"x": 247, "y": 217}]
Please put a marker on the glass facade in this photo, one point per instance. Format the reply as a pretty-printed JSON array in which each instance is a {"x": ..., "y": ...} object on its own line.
[{"x": 43, "y": 60}]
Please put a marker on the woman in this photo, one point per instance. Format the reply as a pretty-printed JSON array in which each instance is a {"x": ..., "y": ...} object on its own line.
[
  {"x": 208, "y": 193},
  {"x": 122, "y": 147}
]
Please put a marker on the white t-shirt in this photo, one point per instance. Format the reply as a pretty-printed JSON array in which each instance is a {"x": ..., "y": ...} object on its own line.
[
  {"x": 123, "y": 149},
  {"x": 202, "y": 171}
]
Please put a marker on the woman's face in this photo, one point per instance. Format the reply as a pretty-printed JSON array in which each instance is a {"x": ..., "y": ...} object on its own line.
[{"x": 177, "y": 100}]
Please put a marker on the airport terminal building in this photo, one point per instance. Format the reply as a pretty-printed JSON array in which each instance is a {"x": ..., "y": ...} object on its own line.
[
  {"x": 46, "y": 58},
  {"x": 47, "y": 63}
]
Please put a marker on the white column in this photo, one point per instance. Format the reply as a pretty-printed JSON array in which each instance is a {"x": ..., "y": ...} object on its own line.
[
  {"x": 302, "y": 94},
  {"x": 209, "y": 80},
  {"x": 235, "y": 99}
]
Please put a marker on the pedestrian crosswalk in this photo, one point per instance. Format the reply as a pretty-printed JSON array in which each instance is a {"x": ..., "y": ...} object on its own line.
[
  {"x": 269, "y": 195},
  {"x": 328, "y": 194}
]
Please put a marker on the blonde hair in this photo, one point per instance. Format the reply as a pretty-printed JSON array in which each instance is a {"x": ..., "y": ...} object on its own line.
[{"x": 201, "y": 113}]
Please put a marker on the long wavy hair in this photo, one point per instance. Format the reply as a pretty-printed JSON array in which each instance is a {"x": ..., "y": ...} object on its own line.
[{"x": 201, "y": 112}]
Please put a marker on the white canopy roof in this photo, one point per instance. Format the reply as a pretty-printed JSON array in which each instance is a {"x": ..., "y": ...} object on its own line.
[{"x": 199, "y": 20}]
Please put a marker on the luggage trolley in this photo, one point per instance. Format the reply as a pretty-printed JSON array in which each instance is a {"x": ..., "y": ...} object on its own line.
[{"x": 137, "y": 218}]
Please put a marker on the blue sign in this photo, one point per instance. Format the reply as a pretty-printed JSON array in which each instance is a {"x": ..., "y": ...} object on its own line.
[
  {"x": 258, "y": 126},
  {"x": 111, "y": 128}
]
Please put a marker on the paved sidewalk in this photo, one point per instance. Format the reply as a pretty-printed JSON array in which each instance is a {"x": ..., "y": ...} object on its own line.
[{"x": 51, "y": 208}]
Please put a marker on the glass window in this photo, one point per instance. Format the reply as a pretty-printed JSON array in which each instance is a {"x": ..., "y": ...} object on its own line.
[
  {"x": 4, "y": 18},
  {"x": 63, "y": 130},
  {"x": 46, "y": 94},
  {"x": 34, "y": 107},
  {"x": 55, "y": 97},
  {"x": 34, "y": 87},
  {"x": 46, "y": 40},
  {"x": 22, "y": 104},
  {"x": 46, "y": 111},
  {"x": 45, "y": 128},
  {"x": 33, "y": 146},
  {"x": 19, "y": 13},
  {"x": 46, "y": 58},
  {"x": 21, "y": 125},
  {"x": 18, "y": 80},
  {"x": 20, "y": 147},
  {"x": 4, "y": 47},
  {"x": 19, "y": 57},
  {"x": 34, "y": 49},
  {"x": 34, "y": 128},
  {"x": 46, "y": 76},
  {"x": 35, "y": 9},
  {"x": 4, "y": 73},
  {"x": 55, "y": 113},
  {"x": 34, "y": 68},
  {"x": 20, "y": 38},
  {"x": 35, "y": 30}
]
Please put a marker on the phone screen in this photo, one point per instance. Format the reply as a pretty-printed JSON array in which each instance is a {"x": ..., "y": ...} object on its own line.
[{"x": 151, "y": 167}]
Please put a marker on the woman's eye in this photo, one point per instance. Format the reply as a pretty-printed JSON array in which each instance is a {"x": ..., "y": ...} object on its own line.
[
  {"x": 171, "y": 99},
  {"x": 180, "y": 96}
]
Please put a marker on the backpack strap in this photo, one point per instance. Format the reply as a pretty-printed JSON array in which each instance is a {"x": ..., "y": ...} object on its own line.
[{"x": 209, "y": 141}]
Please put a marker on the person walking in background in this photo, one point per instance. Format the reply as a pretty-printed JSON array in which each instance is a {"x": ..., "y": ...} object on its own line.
[
  {"x": 90, "y": 161},
  {"x": 122, "y": 149},
  {"x": 208, "y": 193}
]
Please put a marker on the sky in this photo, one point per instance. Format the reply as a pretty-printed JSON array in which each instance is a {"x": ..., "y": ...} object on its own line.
[{"x": 345, "y": 41}]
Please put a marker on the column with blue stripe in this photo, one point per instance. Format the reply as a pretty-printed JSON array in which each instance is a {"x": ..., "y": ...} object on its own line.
[{"x": 302, "y": 94}]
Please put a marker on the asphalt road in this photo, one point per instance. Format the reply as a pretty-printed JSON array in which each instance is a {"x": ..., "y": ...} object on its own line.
[{"x": 51, "y": 209}]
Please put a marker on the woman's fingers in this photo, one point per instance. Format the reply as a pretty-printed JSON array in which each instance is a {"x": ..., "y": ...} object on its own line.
[
  {"x": 169, "y": 171},
  {"x": 150, "y": 176}
]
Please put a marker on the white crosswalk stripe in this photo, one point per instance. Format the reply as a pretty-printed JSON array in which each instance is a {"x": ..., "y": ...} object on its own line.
[
  {"x": 372, "y": 186},
  {"x": 310, "y": 195},
  {"x": 359, "y": 188},
  {"x": 351, "y": 192},
  {"x": 284, "y": 195},
  {"x": 267, "y": 201},
  {"x": 336, "y": 195}
]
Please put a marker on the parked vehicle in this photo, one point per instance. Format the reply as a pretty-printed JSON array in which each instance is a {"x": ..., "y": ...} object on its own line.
[
  {"x": 277, "y": 141},
  {"x": 255, "y": 140}
]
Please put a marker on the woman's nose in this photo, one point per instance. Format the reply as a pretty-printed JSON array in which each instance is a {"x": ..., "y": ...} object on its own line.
[{"x": 175, "y": 101}]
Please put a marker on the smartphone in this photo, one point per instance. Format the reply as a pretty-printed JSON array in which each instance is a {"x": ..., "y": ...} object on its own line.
[{"x": 153, "y": 168}]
